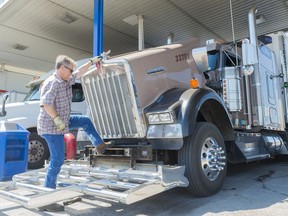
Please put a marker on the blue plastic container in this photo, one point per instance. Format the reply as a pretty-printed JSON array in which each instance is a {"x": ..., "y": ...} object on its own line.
[{"x": 13, "y": 150}]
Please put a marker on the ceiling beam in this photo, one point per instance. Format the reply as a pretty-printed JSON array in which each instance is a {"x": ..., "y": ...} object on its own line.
[{"x": 47, "y": 39}]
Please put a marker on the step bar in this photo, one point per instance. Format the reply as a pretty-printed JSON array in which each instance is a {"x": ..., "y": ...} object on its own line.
[{"x": 76, "y": 178}]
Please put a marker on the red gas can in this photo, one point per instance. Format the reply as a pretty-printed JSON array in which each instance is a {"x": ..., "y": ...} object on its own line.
[{"x": 70, "y": 141}]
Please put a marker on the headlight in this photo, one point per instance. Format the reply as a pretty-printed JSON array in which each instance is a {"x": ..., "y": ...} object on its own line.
[
  {"x": 159, "y": 118},
  {"x": 164, "y": 117},
  {"x": 153, "y": 118}
]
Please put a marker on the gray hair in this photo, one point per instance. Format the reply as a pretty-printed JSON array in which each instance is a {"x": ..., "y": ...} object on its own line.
[{"x": 64, "y": 60}]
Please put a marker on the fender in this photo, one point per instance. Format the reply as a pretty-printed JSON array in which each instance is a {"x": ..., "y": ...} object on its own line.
[
  {"x": 165, "y": 100},
  {"x": 193, "y": 105},
  {"x": 204, "y": 105},
  {"x": 165, "y": 136}
]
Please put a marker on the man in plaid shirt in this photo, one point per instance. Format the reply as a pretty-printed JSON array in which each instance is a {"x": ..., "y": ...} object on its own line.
[{"x": 54, "y": 119}]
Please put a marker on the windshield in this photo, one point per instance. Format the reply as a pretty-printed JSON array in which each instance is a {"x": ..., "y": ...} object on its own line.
[
  {"x": 77, "y": 93},
  {"x": 33, "y": 94},
  {"x": 213, "y": 59}
]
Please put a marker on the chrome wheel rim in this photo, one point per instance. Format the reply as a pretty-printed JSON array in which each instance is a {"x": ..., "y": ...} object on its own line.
[
  {"x": 213, "y": 159},
  {"x": 36, "y": 151}
]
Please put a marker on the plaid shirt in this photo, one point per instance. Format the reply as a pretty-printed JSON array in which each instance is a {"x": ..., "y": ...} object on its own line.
[{"x": 57, "y": 93}]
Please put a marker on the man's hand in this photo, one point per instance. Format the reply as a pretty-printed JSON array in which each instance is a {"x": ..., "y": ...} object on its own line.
[
  {"x": 60, "y": 125},
  {"x": 95, "y": 59}
]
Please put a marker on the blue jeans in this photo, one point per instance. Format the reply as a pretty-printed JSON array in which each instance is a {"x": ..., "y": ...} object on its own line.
[
  {"x": 56, "y": 146},
  {"x": 84, "y": 122}
]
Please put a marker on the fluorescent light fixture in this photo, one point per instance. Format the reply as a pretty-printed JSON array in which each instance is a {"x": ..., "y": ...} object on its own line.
[
  {"x": 20, "y": 46},
  {"x": 131, "y": 20},
  {"x": 68, "y": 18},
  {"x": 260, "y": 19},
  {"x": 3, "y": 2}
]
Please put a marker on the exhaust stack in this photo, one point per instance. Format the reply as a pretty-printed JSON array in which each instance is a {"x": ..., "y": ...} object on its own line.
[
  {"x": 251, "y": 71},
  {"x": 170, "y": 38},
  {"x": 252, "y": 26},
  {"x": 249, "y": 47}
]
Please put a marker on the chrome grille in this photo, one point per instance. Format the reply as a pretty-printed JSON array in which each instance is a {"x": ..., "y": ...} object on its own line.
[{"x": 110, "y": 102}]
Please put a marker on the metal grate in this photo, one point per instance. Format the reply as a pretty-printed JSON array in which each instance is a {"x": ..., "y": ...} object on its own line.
[
  {"x": 110, "y": 102},
  {"x": 119, "y": 183}
]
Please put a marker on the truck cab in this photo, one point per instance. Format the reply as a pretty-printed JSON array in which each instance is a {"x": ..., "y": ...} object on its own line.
[{"x": 235, "y": 113}]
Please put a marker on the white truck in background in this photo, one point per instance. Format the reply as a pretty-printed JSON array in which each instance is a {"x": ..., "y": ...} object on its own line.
[
  {"x": 14, "y": 95},
  {"x": 25, "y": 114}
]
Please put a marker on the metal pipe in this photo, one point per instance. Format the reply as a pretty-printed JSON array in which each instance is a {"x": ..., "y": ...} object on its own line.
[
  {"x": 98, "y": 27},
  {"x": 256, "y": 88},
  {"x": 114, "y": 195},
  {"x": 34, "y": 187},
  {"x": 170, "y": 38},
  {"x": 14, "y": 197},
  {"x": 248, "y": 101},
  {"x": 140, "y": 33},
  {"x": 252, "y": 25}
]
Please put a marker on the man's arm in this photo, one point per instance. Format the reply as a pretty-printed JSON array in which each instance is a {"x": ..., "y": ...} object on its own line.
[
  {"x": 60, "y": 125},
  {"x": 85, "y": 67},
  {"x": 50, "y": 110}
]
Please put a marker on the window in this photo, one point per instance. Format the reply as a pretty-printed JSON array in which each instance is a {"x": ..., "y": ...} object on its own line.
[
  {"x": 213, "y": 58},
  {"x": 229, "y": 61},
  {"x": 77, "y": 91},
  {"x": 33, "y": 94}
]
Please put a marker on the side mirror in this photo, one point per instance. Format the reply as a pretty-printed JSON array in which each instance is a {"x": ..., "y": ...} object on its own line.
[
  {"x": 249, "y": 57},
  {"x": 3, "y": 111},
  {"x": 201, "y": 58}
]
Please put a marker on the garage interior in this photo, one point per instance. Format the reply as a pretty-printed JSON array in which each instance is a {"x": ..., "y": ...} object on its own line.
[{"x": 34, "y": 32}]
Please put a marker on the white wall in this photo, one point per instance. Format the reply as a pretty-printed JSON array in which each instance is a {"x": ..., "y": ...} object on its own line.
[{"x": 16, "y": 83}]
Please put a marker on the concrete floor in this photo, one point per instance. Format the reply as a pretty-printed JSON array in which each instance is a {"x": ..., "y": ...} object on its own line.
[{"x": 258, "y": 189}]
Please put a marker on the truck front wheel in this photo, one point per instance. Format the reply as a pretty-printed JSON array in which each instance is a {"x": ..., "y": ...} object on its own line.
[
  {"x": 204, "y": 157},
  {"x": 38, "y": 151}
]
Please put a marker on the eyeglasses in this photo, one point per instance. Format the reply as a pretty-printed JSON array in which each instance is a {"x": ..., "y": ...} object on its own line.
[{"x": 71, "y": 70}]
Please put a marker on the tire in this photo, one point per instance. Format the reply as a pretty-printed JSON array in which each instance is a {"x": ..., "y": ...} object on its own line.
[
  {"x": 38, "y": 151},
  {"x": 205, "y": 178}
]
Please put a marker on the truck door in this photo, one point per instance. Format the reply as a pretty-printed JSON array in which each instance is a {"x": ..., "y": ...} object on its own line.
[{"x": 273, "y": 113}]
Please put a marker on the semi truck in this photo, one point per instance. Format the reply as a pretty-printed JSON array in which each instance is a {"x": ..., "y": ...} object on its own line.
[{"x": 178, "y": 114}]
